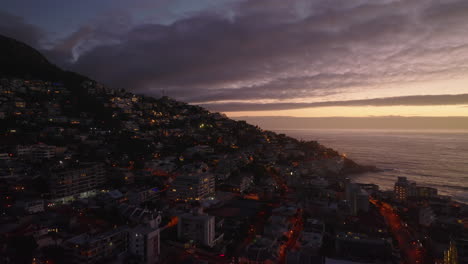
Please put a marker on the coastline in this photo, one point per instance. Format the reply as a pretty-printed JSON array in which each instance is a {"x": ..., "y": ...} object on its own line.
[{"x": 434, "y": 159}]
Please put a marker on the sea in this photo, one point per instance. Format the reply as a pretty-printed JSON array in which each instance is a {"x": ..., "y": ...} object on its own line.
[{"x": 436, "y": 159}]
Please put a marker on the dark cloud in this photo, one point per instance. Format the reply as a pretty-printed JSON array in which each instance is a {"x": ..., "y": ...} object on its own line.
[
  {"x": 275, "y": 49},
  {"x": 417, "y": 100}
]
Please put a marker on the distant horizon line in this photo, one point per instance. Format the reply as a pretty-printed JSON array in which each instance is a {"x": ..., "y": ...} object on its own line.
[
  {"x": 453, "y": 123},
  {"x": 360, "y": 117}
]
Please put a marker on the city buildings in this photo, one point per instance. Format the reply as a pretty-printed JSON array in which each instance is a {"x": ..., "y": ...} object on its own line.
[{"x": 161, "y": 158}]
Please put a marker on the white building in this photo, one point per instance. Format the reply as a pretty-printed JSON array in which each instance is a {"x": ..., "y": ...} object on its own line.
[
  {"x": 198, "y": 227},
  {"x": 79, "y": 180},
  {"x": 144, "y": 241},
  {"x": 188, "y": 187}
]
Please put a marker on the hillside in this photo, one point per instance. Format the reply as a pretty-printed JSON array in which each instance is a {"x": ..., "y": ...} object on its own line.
[
  {"x": 22, "y": 61},
  {"x": 41, "y": 96}
]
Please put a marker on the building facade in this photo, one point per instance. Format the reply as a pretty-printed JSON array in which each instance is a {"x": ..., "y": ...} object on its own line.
[
  {"x": 190, "y": 187},
  {"x": 77, "y": 181},
  {"x": 144, "y": 241},
  {"x": 90, "y": 249},
  {"x": 197, "y": 227}
]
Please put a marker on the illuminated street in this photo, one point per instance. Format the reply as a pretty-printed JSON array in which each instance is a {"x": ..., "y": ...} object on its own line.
[{"x": 412, "y": 252}]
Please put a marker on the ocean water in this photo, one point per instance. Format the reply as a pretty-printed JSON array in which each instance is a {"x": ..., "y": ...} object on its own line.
[{"x": 431, "y": 158}]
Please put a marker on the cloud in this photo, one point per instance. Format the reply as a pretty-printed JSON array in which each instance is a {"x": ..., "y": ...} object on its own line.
[
  {"x": 419, "y": 100},
  {"x": 260, "y": 50}
]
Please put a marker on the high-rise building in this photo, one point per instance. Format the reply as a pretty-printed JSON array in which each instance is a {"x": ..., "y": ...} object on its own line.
[{"x": 403, "y": 189}]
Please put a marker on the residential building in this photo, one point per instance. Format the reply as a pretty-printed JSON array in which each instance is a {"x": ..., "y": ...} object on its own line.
[
  {"x": 90, "y": 249},
  {"x": 79, "y": 180},
  {"x": 41, "y": 152},
  {"x": 198, "y": 227},
  {"x": 187, "y": 187},
  {"x": 144, "y": 241},
  {"x": 31, "y": 206},
  {"x": 426, "y": 192},
  {"x": 4, "y": 156},
  {"x": 403, "y": 188},
  {"x": 139, "y": 196},
  {"x": 38, "y": 151}
]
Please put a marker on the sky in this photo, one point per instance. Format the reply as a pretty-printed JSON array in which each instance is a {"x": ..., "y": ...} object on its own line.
[{"x": 301, "y": 58}]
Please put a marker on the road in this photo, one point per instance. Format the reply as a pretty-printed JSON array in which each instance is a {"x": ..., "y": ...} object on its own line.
[
  {"x": 413, "y": 253},
  {"x": 293, "y": 236}
]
